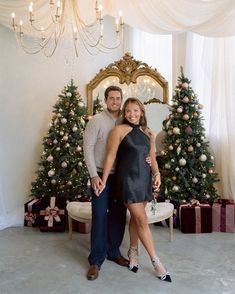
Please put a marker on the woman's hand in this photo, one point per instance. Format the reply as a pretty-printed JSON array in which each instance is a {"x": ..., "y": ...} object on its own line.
[{"x": 156, "y": 181}]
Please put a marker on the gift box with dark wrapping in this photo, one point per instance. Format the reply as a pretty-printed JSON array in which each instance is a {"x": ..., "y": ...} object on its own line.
[
  {"x": 195, "y": 218},
  {"x": 31, "y": 212},
  {"x": 52, "y": 214},
  {"x": 223, "y": 216},
  {"x": 83, "y": 228}
]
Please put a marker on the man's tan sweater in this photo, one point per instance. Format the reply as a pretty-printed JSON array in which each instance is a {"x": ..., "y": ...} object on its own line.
[{"x": 95, "y": 139}]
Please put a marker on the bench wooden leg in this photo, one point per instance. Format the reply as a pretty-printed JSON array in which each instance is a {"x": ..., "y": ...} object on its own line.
[
  {"x": 70, "y": 228},
  {"x": 171, "y": 228}
]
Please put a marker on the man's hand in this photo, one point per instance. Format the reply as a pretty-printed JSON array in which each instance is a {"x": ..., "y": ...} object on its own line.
[{"x": 97, "y": 185}]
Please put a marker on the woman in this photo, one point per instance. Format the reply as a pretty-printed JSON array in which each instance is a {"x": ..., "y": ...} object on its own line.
[{"x": 130, "y": 143}]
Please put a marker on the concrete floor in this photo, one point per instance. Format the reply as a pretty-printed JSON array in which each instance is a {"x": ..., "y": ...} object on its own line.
[{"x": 35, "y": 262}]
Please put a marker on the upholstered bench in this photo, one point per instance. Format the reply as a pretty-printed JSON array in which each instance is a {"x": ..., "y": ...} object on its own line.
[{"x": 81, "y": 211}]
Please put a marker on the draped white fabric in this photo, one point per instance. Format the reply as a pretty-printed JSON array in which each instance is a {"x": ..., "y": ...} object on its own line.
[
  {"x": 211, "y": 66},
  {"x": 206, "y": 17}
]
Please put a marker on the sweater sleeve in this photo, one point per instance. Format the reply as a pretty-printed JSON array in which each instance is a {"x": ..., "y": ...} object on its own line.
[{"x": 89, "y": 141}]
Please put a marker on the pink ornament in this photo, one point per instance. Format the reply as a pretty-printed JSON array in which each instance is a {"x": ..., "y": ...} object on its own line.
[
  {"x": 188, "y": 130},
  {"x": 184, "y": 85},
  {"x": 179, "y": 109},
  {"x": 190, "y": 148},
  {"x": 185, "y": 117},
  {"x": 185, "y": 99}
]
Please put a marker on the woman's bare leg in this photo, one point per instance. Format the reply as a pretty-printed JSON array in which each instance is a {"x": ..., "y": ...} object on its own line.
[{"x": 140, "y": 224}]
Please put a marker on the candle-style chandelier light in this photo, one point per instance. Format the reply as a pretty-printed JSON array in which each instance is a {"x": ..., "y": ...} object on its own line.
[{"x": 63, "y": 18}]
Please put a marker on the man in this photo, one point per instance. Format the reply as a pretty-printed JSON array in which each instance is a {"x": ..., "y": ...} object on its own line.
[{"x": 108, "y": 213}]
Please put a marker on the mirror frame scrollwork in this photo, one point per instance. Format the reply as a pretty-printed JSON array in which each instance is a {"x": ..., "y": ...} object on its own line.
[{"x": 127, "y": 70}]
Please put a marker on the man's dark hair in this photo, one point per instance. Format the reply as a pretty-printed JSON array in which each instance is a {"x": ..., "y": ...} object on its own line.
[{"x": 112, "y": 88}]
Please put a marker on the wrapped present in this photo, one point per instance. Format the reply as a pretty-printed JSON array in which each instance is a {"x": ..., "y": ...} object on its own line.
[
  {"x": 31, "y": 212},
  {"x": 83, "y": 228},
  {"x": 195, "y": 218},
  {"x": 223, "y": 216},
  {"x": 52, "y": 214}
]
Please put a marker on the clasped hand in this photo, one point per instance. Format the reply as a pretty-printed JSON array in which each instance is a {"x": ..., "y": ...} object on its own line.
[
  {"x": 156, "y": 183},
  {"x": 97, "y": 185}
]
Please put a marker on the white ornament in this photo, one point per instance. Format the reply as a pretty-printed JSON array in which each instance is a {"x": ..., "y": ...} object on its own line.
[
  {"x": 80, "y": 163},
  {"x": 53, "y": 181},
  {"x": 69, "y": 183},
  {"x": 172, "y": 160},
  {"x": 64, "y": 164},
  {"x": 175, "y": 188},
  {"x": 167, "y": 166},
  {"x": 202, "y": 138},
  {"x": 74, "y": 129},
  {"x": 198, "y": 144},
  {"x": 59, "y": 115},
  {"x": 50, "y": 158},
  {"x": 203, "y": 176},
  {"x": 51, "y": 173},
  {"x": 176, "y": 130},
  {"x": 195, "y": 180},
  {"x": 61, "y": 133},
  {"x": 78, "y": 149},
  {"x": 203, "y": 157},
  {"x": 182, "y": 162},
  {"x": 63, "y": 121},
  {"x": 58, "y": 149},
  {"x": 67, "y": 145},
  {"x": 80, "y": 104},
  {"x": 55, "y": 141},
  {"x": 178, "y": 150},
  {"x": 68, "y": 94},
  {"x": 170, "y": 147},
  {"x": 177, "y": 169}
]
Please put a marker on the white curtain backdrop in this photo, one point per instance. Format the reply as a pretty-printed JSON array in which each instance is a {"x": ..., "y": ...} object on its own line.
[{"x": 211, "y": 66}]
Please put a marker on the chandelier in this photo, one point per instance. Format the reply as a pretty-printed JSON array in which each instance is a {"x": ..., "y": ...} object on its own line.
[{"x": 43, "y": 32}]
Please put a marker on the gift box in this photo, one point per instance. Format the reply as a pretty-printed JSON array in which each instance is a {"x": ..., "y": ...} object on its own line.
[
  {"x": 223, "y": 216},
  {"x": 195, "y": 218},
  {"x": 52, "y": 214},
  {"x": 83, "y": 228},
  {"x": 31, "y": 212}
]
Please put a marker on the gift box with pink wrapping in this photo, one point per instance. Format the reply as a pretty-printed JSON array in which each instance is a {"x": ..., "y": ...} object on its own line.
[
  {"x": 52, "y": 214},
  {"x": 195, "y": 218},
  {"x": 31, "y": 212},
  {"x": 223, "y": 216}
]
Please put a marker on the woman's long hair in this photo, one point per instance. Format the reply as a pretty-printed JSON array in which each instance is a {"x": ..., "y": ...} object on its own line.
[{"x": 143, "y": 119}]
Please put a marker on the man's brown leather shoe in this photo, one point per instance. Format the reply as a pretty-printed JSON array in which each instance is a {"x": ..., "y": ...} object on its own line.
[
  {"x": 120, "y": 260},
  {"x": 93, "y": 272}
]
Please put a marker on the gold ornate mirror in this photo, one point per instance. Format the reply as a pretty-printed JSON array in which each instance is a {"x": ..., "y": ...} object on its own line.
[{"x": 136, "y": 79}]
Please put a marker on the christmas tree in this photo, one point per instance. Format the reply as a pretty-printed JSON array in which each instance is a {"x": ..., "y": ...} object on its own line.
[
  {"x": 98, "y": 107},
  {"x": 62, "y": 171},
  {"x": 188, "y": 167}
]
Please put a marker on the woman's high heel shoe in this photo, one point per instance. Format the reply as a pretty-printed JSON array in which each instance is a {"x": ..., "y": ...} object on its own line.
[
  {"x": 164, "y": 277},
  {"x": 132, "y": 255}
]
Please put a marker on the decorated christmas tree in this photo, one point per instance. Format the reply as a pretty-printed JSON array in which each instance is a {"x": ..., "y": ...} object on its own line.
[
  {"x": 62, "y": 171},
  {"x": 98, "y": 107},
  {"x": 188, "y": 167}
]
